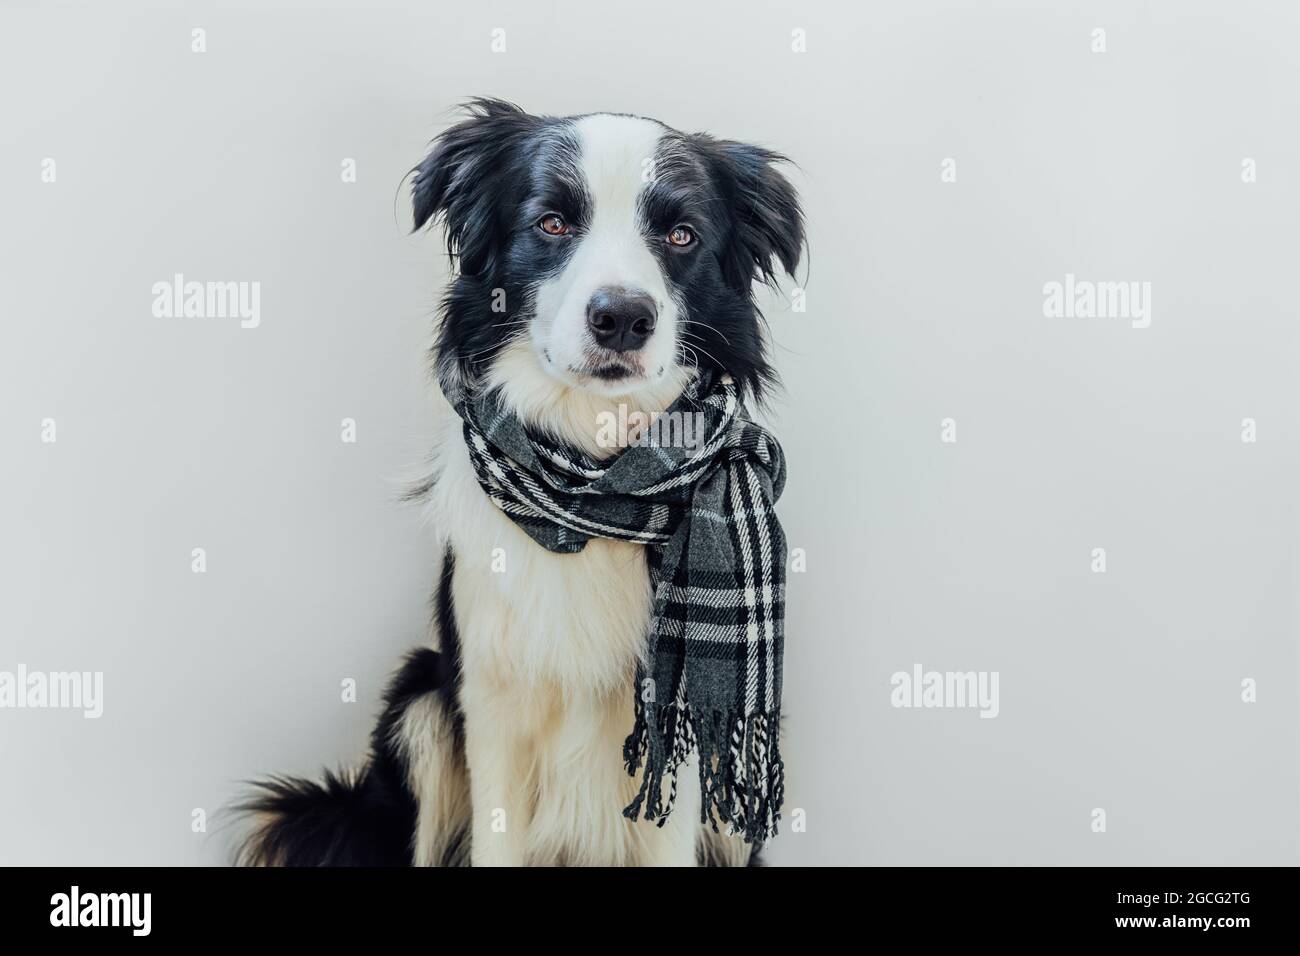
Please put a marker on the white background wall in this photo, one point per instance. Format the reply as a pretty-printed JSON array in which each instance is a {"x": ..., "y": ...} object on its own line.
[{"x": 1119, "y": 691}]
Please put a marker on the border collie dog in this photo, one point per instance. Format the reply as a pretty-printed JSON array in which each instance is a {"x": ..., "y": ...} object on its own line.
[{"x": 601, "y": 261}]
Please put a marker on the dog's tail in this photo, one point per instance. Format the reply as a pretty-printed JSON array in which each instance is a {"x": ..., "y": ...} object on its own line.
[
  {"x": 368, "y": 817},
  {"x": 348, "y": 819}
]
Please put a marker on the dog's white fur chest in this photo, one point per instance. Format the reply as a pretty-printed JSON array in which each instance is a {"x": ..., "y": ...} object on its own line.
[
  {"x": 549, "y": 646},
  {"x": 575, "y": 621}
]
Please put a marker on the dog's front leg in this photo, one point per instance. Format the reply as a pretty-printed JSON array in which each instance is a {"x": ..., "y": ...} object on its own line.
[{"x": 498, "y": 777}]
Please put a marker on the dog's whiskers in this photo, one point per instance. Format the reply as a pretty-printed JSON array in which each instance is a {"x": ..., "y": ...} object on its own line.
[
  {"x": 702, "y": 325},
  {"x": 701, "y": 348}
]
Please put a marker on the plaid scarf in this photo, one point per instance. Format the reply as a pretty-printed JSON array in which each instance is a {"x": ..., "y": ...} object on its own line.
[{"x": 711, "y": 678}]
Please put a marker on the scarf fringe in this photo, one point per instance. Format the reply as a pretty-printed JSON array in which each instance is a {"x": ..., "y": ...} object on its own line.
[{"x": 742, "y": 776}]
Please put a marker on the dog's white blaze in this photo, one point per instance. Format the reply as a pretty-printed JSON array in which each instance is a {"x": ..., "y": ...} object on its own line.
[{"x": 616, "y": 152}]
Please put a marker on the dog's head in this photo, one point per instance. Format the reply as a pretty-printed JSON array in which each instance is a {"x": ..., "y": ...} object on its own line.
[{"x": 614, "y": 252}]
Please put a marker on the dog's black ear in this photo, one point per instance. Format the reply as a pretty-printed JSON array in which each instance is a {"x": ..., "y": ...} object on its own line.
[
  {"x": 466, "y": 180},
  {"x": 766, "y": 215}
]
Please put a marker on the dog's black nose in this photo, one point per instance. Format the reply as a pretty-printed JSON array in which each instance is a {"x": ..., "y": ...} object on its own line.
[{"x": 621, "y": 320}]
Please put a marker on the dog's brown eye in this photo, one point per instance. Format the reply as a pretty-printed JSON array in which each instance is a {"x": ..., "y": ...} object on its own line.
[
  {"x": 553, "y": 225},
  {"x": 681, "y": 236}
]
